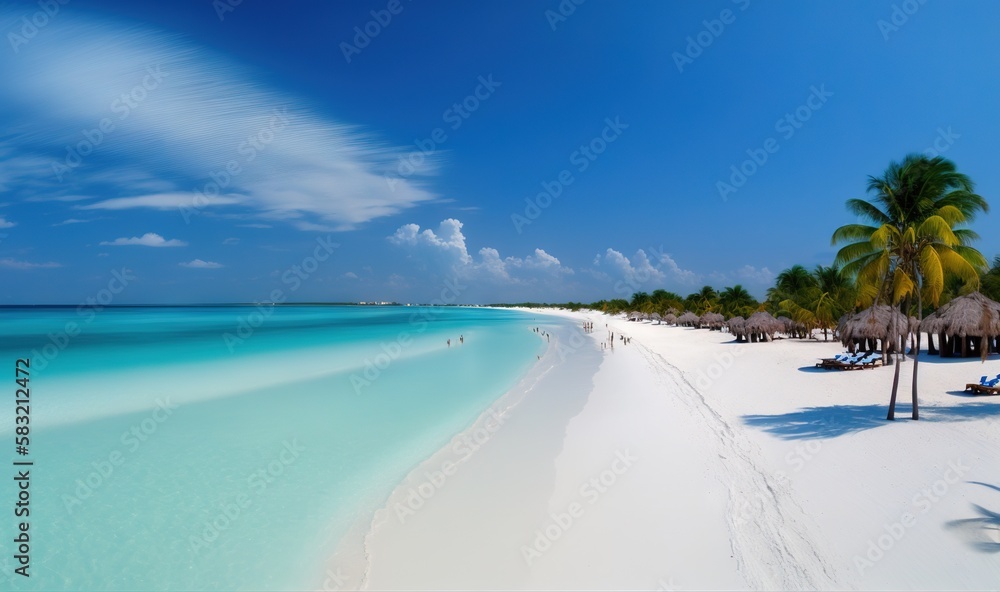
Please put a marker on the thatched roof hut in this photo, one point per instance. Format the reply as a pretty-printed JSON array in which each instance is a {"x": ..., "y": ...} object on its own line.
[
  {"x": 688, "y": 319},
  {"x": 761, "y": 326},
  {"x": 881, "y": 324},
  {"x": 738, "y": 327},
  {"x": 635, "y": 316},
  {"x": 670, "y": 318},
  {"x": 656, "y": 317},
  {"x": 963, "y": 324},
  {"x": 712, "y": 320}
]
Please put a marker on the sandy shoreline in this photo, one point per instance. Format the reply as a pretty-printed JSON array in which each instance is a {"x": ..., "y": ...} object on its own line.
[{"x": 684, "y": 460}]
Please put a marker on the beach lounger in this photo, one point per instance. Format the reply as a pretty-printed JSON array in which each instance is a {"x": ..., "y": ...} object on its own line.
[
  {"x": 857, "y": 361},
  {"x": 986, "y": 386},
  {"x": 841, "y": 361},
  {"x": 869, "y": 361},
  {"x": 979, "y": 389}
]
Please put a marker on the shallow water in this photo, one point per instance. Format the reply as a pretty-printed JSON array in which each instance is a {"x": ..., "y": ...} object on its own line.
[{"x": 169, "y": 456}]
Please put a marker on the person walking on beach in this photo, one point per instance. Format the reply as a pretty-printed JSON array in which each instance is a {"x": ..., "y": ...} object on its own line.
[
  {"x": 461, "y": 339},
  {"x": 449, "y": 343}
]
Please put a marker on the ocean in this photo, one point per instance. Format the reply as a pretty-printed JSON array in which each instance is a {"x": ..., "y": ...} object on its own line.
[{"x": 231, "y": 447}]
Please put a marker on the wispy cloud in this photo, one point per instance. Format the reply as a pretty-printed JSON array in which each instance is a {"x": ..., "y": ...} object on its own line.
[
  {"x": 199, "y": 264},
  {"x": 161, "y": 201},
  {"x": 4, "y": 223},
  {"x": 207, "y": 123},
  {"x": 150, "y": 239},
  {"x": 9, "y": 263},
  {"x": 69, "y": 221}
]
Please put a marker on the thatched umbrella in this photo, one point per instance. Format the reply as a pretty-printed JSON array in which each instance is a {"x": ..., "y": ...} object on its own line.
[
  {"x": 880, "y": 327},
  {"x": 670, "y": 319},
  {"x": 688, "y": 319},
  {"x": 712, "y": 320},
  {"x": 656, "y": 317},
  {"x": 761, "y": 326},
  {"x": 963, "y": 324},
  {"x": 738, "y": 327},
  {"x": 635, "y": 315}
]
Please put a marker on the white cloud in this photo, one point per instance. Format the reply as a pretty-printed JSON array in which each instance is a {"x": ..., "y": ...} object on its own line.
[
  {"x": 641, "y": 273},
  {"x": 231, "y": 241},
  {"x": 199, "y": 264},
  {"x": 160, "y": 201},
  {"x": 445, "y": 251},
  {"x": 150, "y": 239},
  {"x": 15, "y": 264},
  {"x": 5, "y": 223},
  {"x": 71, "y": 221},
  {"x": 200, "y": 112},
  {"x": 350, "y": 275},
  {"x": 447, "y": 244},
  {"x": 752, "y": 274}
]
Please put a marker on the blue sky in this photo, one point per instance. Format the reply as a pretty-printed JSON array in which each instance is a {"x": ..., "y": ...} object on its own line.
[{"x": 206, "y": 156}]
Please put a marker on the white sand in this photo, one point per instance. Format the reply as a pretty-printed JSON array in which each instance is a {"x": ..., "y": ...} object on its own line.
[{"x": 738, "y": 466}]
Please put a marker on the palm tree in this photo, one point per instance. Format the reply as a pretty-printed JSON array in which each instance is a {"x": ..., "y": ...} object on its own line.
[
  {"x": 665, "y": 300},
  {"x": 639, "y": 299},
  {"x": 706, "y": 299},
  {"x": 990, "y": 281},
  {"x": 911, "y": 241},
  {"x": 819, "y": 303},
  {"x": 789, "y": 283},
  {"x": 736, "y": 301}
]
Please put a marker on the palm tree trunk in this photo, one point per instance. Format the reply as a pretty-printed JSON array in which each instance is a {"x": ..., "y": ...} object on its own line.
[
  {"x": 895, "y": 374},
  {"x": 916, "y": 352},
  {"x": 895, "y": 387}
]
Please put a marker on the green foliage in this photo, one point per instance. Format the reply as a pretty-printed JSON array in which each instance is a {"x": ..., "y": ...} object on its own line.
[{"x": 912, "y": 242}]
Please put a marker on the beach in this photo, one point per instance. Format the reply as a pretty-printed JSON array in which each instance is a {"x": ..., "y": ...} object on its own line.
[{"x": 684, "y": 460}]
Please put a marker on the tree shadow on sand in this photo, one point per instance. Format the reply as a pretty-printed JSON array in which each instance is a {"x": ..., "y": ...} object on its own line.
[
  {"x": 983, "y": 532},
  {"x": 837, "y": 420}
]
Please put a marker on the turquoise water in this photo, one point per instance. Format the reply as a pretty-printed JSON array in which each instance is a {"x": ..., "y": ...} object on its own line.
[{"x": 174, "y": 450}]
